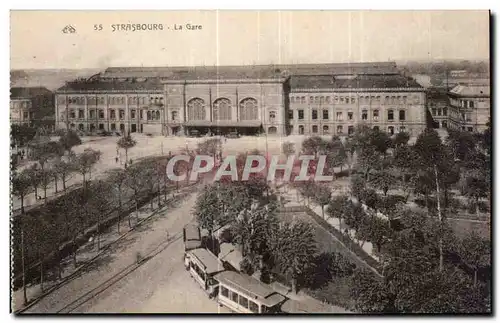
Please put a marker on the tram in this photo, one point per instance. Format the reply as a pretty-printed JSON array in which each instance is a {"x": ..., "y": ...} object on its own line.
[{"x": 203, "y": 266}]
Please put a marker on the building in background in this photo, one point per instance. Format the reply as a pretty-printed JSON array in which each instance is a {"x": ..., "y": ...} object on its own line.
[
  {"x": 335, "y": 104},
  {"x": 112, "y": 105},
  {"x": 438, "y": 104},
  {"x": 469, "y": 106},
  {"x": 32, "y": 106},
  {"x": 275, "y": 99}
]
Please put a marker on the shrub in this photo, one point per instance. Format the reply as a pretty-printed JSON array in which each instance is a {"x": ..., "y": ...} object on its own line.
[{"x": 247, "y": 267}]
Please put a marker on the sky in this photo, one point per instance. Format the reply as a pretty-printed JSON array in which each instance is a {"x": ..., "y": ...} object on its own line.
[{"x": 244, "y": 37}]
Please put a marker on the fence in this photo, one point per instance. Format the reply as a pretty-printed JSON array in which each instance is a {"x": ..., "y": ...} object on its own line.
[
  {"x": 348, "y": 243},
  {"x": 67, "y": 248}
]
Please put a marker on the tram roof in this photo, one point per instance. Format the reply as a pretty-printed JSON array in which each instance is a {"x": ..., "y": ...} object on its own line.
[
  {"x": 192, "y": 232},
  {"x": 211, "y": 263},
  {"x": 251, "y": 287}
]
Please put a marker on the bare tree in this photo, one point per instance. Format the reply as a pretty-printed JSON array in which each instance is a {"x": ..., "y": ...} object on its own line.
[
  {"x": 21, "y": 186},
  {"x": 117, "y": 178},
  {"x": 126, "y": 143}
]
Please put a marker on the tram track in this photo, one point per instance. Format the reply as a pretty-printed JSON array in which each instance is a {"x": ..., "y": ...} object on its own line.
[{"x": 90, "y": 295}]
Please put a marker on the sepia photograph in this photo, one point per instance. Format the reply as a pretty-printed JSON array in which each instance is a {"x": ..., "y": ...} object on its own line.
[{"x": 250, "y": 162}]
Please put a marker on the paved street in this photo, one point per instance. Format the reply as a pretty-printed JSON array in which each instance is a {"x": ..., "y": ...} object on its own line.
[{"x": 159, "y": 285}]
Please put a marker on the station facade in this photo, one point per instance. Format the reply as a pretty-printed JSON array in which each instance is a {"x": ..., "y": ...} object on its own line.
[{"x": 321, "y": 99}]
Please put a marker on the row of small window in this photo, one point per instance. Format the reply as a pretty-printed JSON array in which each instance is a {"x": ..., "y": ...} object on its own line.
[
  {"x": 150, "y": 115},
  {"x": 462, "y": 103},
  {"x": 112, "y": 127},
  {"x": 439, "y": 111},
  {"x": 395, "y": 99},
  {"x": 21, "y": 104},
  {"x": 112, "y": 100},
  {"x": 340, "y": 129},
  {"x": 28, "y": 115},
  {"x": 467, "y": 117},
  {"x": 350, "y": 115},
  {"x": 239, "y": 299}
]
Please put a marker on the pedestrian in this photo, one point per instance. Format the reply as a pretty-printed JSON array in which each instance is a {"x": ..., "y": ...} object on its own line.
[{"x": 116, "y": 159}]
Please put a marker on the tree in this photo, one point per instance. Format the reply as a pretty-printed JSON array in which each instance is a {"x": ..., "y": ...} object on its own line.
[
  {"x": 314, "y": 146},
  {"x": 476, "y": 188},
  {"x": 306, "y": 189},
  {"x": 475, "y": 252},
  {"x": 21, "y": 186},
  {"x": 69, "y": 140},
  {"x": 350, "y": 148},
  {"x": 404, "y": 159},
  {"x": 98, "y": 205},
  {"x": 358, "y": 186},
  {"x": 34, "y": 175},
  {"x": 431, "y": 150},
  {"x": 461, "y": 143},
  {"x": 294, "y": 248},
  {"x": 117, "y": 178},
  {"x": 354, "y": 216},
  {"x": 379, "y": 231},
  {"x": 253, "y": 231},
  {"x": 46, "y": 176},
  {"x": 486, "y": 138},
  {"x": 135, "y": 181},
  {"x": 288, "y": 148},
  {"x": 379, "y": 140},
  {"x": 63, "y": 169},
  {"x": 370, "y": 294},
  {"x": 384, "y": 179},
  {"x": 338, "y": 207},
  {"x": 22, "y": 134},
  {"x": 336, "y": 153},
  {"x": 371, "y": 199},
  {"x": 126, "y": 142},
  {"x": 209, "y": 147},
  {"x": 209, "y": 209},
  {"x": 85, "y": 162},
  {"x": 322, "y": 196},
  {"x": 150, "y": 178},
  {"x": 400, "y": 139}
]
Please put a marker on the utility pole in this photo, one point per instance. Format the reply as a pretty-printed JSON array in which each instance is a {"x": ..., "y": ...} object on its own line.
[{"x": 24, "y": 269}]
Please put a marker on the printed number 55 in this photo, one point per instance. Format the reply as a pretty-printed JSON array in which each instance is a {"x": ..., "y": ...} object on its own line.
[{"x": 98, "y": 27}]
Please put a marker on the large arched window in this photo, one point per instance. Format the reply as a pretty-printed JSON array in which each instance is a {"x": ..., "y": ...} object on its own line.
[
  {"x": 196, "y": 109},
  {"x": 248, "y": 109},
  {"x": 222, "y": 109}
]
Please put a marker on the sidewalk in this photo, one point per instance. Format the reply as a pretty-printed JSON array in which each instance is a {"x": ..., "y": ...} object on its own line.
[
  {"x": 87, "y": 254},
  {"x": 291, "y": 197}
]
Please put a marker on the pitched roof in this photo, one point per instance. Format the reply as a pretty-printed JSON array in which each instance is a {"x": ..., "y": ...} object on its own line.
[
  {"x": 192, "y": 232},
  {"x": 250, "y": 71},
  {"x": 362, "y": 81},
  {"x": 251, "y": 287},
  {"x": 230, "y": 254},
  {"x": 471, "y": 90},
  {"x": 211, "y": 263},
  {"x": 112, "y": 85},
  {"x": 28, "y": 92}
]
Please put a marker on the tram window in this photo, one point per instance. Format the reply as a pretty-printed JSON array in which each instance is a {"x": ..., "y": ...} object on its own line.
[
  {"x": 253, "y": 307},
  {"x": 243, "y": 301},
  {"x": 234, "y": 297},
  {"x": 224, "y": 291}
]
